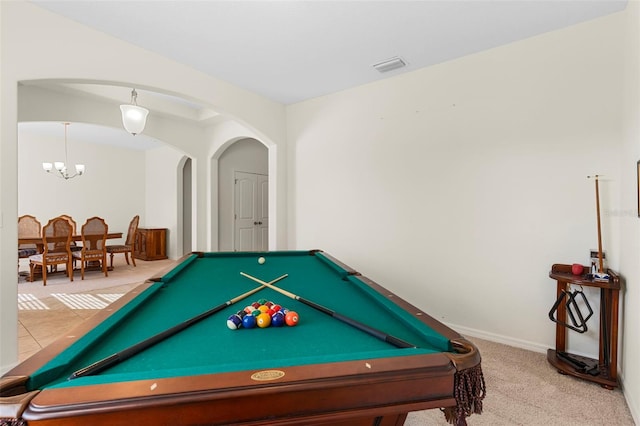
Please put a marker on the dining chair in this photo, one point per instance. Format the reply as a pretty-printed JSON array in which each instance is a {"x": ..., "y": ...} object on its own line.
[
  {"x": 94, "y": 237},
  {"x": 56, "y": 236},
  {"x": 28, "y": 227},
  {"x": 129, "y": 244},
  {"x": 72, "y": 222}
]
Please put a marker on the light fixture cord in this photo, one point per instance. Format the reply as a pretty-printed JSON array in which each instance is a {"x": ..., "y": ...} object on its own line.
[{"x": 66, "y": 155}]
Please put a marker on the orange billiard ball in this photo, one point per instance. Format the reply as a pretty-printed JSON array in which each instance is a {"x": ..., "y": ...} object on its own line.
[{"x": 291, "y": 318}]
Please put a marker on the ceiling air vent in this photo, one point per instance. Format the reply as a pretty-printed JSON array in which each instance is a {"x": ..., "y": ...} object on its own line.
[{"x": 390, "y": 64}]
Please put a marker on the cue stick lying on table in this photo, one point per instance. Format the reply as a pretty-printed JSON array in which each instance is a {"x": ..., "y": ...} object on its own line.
[
  {"x": 360, "y": 326},
  {"x": 120, "y": 356}
]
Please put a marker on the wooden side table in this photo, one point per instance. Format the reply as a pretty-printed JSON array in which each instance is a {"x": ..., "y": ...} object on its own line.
[
  {"x": 150, "y": 244},
  {"x": 607, "y": 362}
]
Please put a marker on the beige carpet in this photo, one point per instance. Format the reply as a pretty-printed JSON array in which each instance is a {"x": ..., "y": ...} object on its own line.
[{"x": 524, "y": 389}]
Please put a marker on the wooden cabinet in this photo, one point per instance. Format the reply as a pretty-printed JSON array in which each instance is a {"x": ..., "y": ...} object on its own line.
[{"x": 151, "y": 244}]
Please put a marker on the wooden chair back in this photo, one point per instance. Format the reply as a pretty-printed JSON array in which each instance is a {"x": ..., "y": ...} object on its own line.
[
  {"x": 94, "y": 247},
  {"x": 57, "y": 236},
  {"x": 131, "y": 232},
  {"x": 94, "y": 234},
  {"x": 29, "y": 226},
  {"x": 71, "y": 222}
]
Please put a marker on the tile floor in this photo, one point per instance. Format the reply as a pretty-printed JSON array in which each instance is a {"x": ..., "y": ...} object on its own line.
[{"x": 47, "y": 312}]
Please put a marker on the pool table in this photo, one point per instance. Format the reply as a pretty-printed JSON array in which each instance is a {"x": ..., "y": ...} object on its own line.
[{"x": 320, "y": 371}]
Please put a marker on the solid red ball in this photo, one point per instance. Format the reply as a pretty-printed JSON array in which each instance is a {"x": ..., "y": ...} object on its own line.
[{"x": 577, "y": 269}]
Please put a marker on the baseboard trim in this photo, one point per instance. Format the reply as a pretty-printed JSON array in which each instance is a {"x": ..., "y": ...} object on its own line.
[{"x": 498, "y": 338}]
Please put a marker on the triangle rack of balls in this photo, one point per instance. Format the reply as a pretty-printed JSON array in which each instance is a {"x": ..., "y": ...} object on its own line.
[{"x": 263, "y": 314}]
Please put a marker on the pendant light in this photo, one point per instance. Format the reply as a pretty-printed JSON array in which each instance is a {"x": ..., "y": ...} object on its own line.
[{"x": 134, "y": 117}]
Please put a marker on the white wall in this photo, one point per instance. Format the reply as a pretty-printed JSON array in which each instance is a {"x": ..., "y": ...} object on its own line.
[
  {"x": 245, "y": 155},
  {"x": 459, "y": 185},
  {"x": 161, "y": 194},
  {"x": 110, "y": 188},
  {"x": 628, "y": 213}
]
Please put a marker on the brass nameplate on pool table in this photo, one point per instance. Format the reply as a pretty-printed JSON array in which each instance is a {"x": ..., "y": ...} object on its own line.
[{"x": 266, "y": 375}]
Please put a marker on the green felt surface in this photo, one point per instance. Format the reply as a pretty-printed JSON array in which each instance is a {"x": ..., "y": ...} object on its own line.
[{"x": 199, "y": 284}]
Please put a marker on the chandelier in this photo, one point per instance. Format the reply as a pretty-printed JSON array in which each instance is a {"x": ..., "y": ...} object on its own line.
[
  {"x": 61, "y": 167},
  {"x": 134, "y": 117}
]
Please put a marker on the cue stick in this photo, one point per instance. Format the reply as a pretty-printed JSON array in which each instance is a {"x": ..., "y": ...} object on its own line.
[
  {"x": 600, "y": 261},
  {"x": 360, "y": 326},
  {"x": 122, "y": 355}
]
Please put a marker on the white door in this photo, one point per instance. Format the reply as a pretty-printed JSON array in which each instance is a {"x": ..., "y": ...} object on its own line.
[{"x": 251, "y": 217}]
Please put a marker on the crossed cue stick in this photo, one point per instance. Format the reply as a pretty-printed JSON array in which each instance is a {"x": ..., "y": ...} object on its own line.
[{"x": 360, "y": 326}]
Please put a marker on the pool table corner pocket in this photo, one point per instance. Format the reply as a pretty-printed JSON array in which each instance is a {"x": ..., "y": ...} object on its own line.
[
  {"x": 14, "y": 400},
  {"x": 469, "y": 385}
]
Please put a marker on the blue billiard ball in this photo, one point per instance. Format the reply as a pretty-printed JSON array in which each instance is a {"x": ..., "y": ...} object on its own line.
[
  {"x": 234, "y": 322},
  {"x": 277, "y": 319},
  {"x": 249, "y": 321}
]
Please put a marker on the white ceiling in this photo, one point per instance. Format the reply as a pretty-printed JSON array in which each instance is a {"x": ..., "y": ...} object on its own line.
[{"x": 290, "y": 51}]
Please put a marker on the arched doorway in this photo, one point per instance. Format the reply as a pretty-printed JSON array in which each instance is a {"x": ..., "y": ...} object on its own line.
[{"x": 243, "y": 196}]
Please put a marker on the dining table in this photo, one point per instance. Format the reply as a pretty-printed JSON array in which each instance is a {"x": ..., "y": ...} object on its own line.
[{"x": 39, "y": 243}]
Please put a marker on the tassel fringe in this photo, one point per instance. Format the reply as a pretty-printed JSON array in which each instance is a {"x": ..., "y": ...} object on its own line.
[{"x": 469, "y": 391}]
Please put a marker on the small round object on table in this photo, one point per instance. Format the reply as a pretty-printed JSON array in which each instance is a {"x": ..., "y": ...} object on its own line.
[
  {"x": 291, "y": 318},
  {"x": 249, "y": 321},
  {"x": 261, "y": 260},
  {"x": 277, "y": 319},
  {"x": 261, "y": 301},
  {"x": 263, "y": 320},
  {"x": 276, "y": 307},
  {"x": 234, "y": 322},
  {"x": 263, "y": 308}
]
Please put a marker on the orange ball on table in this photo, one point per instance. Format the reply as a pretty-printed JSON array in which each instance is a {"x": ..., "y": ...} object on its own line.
[{"x": 291, "y": 318}]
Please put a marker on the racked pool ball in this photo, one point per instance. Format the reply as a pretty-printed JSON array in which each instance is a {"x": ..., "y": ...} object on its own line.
[
  {"x": 263, "y": 320},
  {"x": 291, "y": 318},
  {"x": 249, "y": 321},
  {"x": 234, "y": 322},
  {"x": 277, "y": 319}
]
